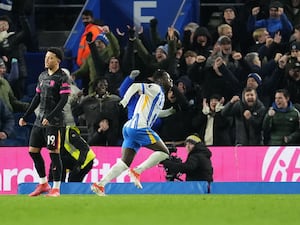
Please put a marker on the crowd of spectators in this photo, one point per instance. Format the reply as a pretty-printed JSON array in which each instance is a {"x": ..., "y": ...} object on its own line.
[{"x": 236, "y": 84}]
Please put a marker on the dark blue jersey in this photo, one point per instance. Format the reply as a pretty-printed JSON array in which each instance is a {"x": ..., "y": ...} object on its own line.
[{"x": 53, "y": 91}]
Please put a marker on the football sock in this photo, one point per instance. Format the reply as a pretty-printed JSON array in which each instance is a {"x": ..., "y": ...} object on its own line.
[
  {"x": 38, "y": 163},
  {"x": 114, "y": 171},
  {"x": 152, "y": 160},
  {"x": 56, "y": 166},
  {"x": 56, "y": 184},
  {"x": 43, "y": 180}
]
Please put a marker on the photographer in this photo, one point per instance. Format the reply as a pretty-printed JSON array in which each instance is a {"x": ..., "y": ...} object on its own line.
[{"x": 198, "y": 166}]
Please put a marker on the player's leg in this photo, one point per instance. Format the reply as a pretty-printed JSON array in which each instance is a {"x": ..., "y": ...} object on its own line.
[
  {"x": 152, "y": 141},
  {"x": 160, "y": 153},
  {"x": 121, "y": 165},
  {"x": 39, "y": 164},
  {"x": 54, "y": 140},
  {"x": 128, "y": 154}
]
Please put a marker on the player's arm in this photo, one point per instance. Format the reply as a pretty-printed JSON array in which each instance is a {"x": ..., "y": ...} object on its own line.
[
  {"x": 33, "y": 105},
  {"x": 134, "y": 88}
]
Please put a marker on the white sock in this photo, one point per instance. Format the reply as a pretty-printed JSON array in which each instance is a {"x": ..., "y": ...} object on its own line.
[
  {"x": 152, "y": 160},
  {"x": 43, "y": 180},
  {"x": 56, "y": 184},
  {"x": 114, "y": 171}
]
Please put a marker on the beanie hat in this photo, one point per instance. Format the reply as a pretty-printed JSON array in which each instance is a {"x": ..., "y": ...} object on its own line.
[
  {"x": 193, "y": 139},
  {"x": 275, "y": 4},
  {"x": 57, "y": 51},
  {"x": 256, "y": 77},
  {"x": 102, "y": 37},
  {"x": 295, "y": 46},
  {"x": 164, "y": 48}
]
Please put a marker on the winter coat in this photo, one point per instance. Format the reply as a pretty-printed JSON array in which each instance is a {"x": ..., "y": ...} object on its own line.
[
  {"x": 285, "y": 122},
  {"x": 247, "y": 132},
  {"x": 197, "y": 167}
]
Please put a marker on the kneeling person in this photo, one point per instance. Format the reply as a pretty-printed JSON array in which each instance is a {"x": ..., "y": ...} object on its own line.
[{"x": 198, "y": 165}]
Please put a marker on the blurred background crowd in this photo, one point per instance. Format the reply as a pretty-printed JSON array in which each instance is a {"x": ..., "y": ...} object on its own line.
[{"x": 236, "y": 71}]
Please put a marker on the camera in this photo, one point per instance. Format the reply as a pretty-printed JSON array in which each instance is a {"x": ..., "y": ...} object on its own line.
[{"x": 172, "y": 176}]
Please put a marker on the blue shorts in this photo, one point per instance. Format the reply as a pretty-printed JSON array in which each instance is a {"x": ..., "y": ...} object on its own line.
[{"x": 136, "y": 138}]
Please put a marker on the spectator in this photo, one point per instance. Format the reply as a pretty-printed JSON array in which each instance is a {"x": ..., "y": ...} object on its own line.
[
  {"x": 185, "y": 87},
  {"x": 198, "y": 164},
  {"x": 225, "y": 30},
  {"x": 260, "y": 36},
  {"x": 156, "y": 40},
  {"x": 201, "y": 42},
  {"x": 164, "y": 57},
  {"x": 238, "y": 31},
  {"x": 8, "y": 97},
  {"x": 177, "y": 126},
  {"x": 248, "y": 114},
  {"x": 114, "y": 75},
  {"x": 223, "y": 49},
  {"x": 216, "y": 82},
  {"x": 188, "y": 35},
  {"x": 292, "y": 10},
  {"x": 276, "y": 23},
  {"x": 88, "y": 22},
  {"x": 212, "y": 126},
  {"x": 13, "y": 75},
  {"x": 12, "y": 46},
  {"x": 296, "y": 35},
  {"x": 99, "y": 106},
  {"x": 104, "y": 47},
  {"x": 7, "y": 122},
  {"x": 281, "y": 123},
  {"x": 292, "y": 82}
]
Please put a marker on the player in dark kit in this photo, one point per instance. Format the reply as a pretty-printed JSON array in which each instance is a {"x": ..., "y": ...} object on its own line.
[{"x": 51, "y": 96}]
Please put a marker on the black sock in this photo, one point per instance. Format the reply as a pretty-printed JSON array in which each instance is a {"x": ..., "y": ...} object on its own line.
[
  {"x": 38, "y": 163},
  {"x": 56, "y": 166}
]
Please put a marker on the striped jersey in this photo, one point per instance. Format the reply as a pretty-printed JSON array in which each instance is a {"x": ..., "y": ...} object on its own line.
[{"x": 150, "y": 103}]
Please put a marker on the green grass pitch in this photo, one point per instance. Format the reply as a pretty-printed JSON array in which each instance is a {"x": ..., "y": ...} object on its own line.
[{"x": 150, "y": 209}]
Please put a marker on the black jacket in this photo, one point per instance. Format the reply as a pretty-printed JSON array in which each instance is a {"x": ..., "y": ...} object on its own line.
[{"x": 197, "y": 167}]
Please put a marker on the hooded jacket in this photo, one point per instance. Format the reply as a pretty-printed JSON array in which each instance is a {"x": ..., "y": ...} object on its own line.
[
  {"x": 247, "y": 132},
  {"x": 197, "y": 167}
]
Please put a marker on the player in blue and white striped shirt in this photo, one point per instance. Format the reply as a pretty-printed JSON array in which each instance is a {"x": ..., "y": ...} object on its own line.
[{"x": 137, "y": 131}]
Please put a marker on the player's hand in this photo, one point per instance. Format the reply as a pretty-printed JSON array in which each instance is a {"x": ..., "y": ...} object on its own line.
[
  {"x": 134, "y": 74},
  {"x": 45, "y": 122}
]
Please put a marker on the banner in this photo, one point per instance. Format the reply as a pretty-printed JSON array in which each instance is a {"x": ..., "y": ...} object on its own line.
[
  {"x": 231, "y": 164},
  {"x": 177, "y": 13}
]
